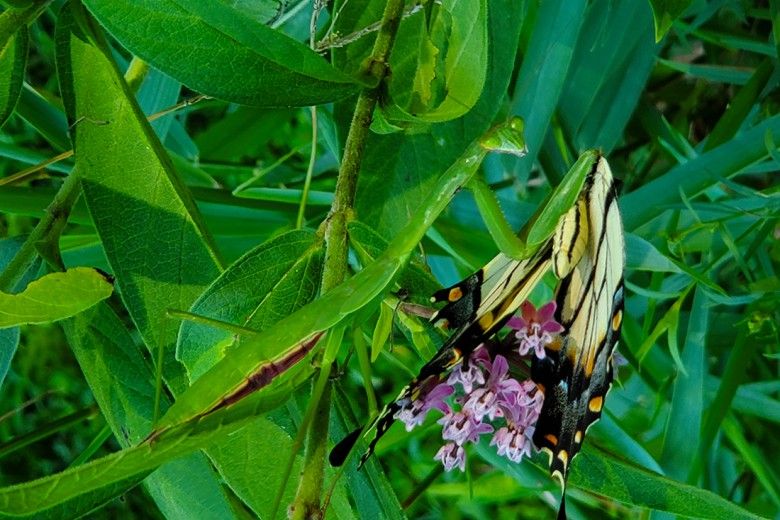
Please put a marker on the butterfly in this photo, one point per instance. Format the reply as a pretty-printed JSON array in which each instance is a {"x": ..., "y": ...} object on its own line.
[{"x": 587, "y": 255}]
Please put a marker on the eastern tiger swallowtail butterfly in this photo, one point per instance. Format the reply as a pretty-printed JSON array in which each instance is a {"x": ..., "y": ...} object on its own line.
[{"x": 586, "y": 253}]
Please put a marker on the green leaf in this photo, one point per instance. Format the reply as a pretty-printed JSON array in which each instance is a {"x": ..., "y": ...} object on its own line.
[
  {"x": 54, "y": 297},
  {"x": 714, "y": 73},
  {"x": 266, "y": 284},
  {"x": 153, "y": 236},
  {"x": 373, "y": 495},
  {"x": 45, "y": 117},
  {"x": 614, "y": 56},
  {"x": 665, "y": 12},
  {"x": 157, "y": 245},
  {"x": 546, "y": 61},
  {"x": 739, "y": 107},
  {"x": 75, "y": 506},
  {"x": 439, "y": 65},
  {"x": 124, "y": 387},
  {"x": 641, "y": 255},
  {"x": 218, "y": 50},
  {"x": 9, "y": 340},
  {"x": 13, "y": 57},
  {"x": 683, "y": 427},
  {"x": 606, "y": 475},
  {"x": 405, "y": 167},
  {"x": 9, "y": 337},
  {"x": 382, "y": 330}
]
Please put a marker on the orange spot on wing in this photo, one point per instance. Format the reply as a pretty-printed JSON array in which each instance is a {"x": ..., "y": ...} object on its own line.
[
  {"x": 552, "y": 438},
  {"x": 617, "y": 319},
  {"x": 555, "y": 345},
  {"x": 455, "y": 294},
  {"x": 596, "y": 404}
]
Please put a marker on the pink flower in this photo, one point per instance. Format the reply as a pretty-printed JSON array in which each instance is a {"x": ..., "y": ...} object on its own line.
[
  {"x": 513, "y": 443},
  {"x": 467, "y": 377},
  {"x": 535, "y": 327},
  {"x": 486, "y": 393},
  {"x": 514, "y": 440},
  {"x": 499, "y": 389},
  {"x": 462, "y": 427},
  {"x": 414, "y": 413},
  {"x": 451, "y": 455}
]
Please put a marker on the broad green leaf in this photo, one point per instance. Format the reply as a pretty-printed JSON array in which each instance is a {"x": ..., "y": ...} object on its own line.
[
  {"x": 153, "y": 236},
  {"x": 665, "y": 12},
  {"x": 54, "y": 297},
  {"x": 13, "y": 57},
  {"x": 265, "y": 285},
  {"x": 157, "y": 246},
  {"x": 123, "y": 384},
  {"x": 439, "y": 65},
  {"x": 218, "y": 50},
  {"x": 231, "y": 373},
  {"x": 604, "y": 474},
  {"x": 404, "y": 168}
]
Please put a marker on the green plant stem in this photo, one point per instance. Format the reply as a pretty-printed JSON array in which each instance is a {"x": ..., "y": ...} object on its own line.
[
  {"x": 429, "y": 479},
  {"x": 48, "y": 229},
  {"x": 309, "y": 170},
  {"x": 320, "y": 387},
  {"x": 102, "y": 436},
  {"x": 47, "y": 430},
  {"x": 307, "y": 497}
]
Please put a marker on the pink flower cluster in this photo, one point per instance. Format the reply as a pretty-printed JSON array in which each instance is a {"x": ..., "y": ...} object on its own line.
[{"x": 480, "y": 397}]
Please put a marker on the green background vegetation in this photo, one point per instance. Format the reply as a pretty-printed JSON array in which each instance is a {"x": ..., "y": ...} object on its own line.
[{"x": 198, "y": 210}]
